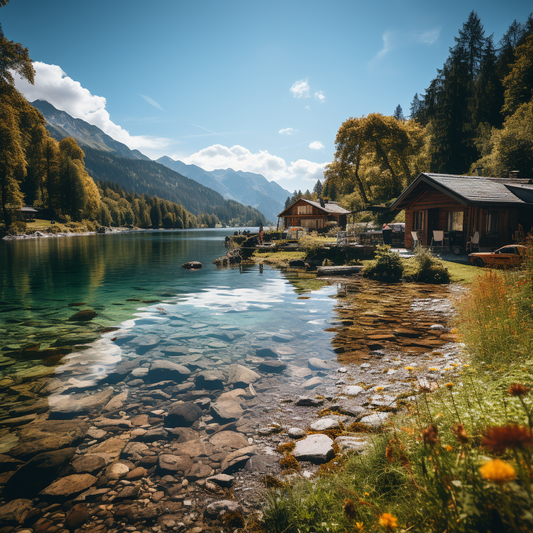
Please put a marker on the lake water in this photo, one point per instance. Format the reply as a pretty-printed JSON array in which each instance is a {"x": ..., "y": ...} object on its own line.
[{"x": 213, "y": 317}]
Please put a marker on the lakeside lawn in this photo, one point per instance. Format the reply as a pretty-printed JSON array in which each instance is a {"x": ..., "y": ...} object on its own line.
[{"x": 460, "y": 458}]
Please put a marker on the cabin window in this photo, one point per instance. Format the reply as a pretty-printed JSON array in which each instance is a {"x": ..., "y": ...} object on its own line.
[
  {"x": 493, "y": 222},
  {"x": 305, "y": 209},
  {"x": 455, "y": 221},
  {"x": 418, "y": 220}
]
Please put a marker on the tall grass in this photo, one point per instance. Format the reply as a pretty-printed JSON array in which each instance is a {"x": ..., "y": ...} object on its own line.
[{"x": 496, "y": 317}]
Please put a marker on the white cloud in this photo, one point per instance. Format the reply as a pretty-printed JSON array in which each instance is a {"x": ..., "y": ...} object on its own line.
[
  {"x": 393, "y": 40},
  {"x": 301, "y": 89},
  {"x": 428, "y": 37},
  {"x": 151, "y": 102},
  {"x": 65, "y": 94},
  {"x": 287, "y": 131},
  {"x": 320, "y": 96},
  {"x": 316, "y": 145},
  {"x": 240, "y": 158}
]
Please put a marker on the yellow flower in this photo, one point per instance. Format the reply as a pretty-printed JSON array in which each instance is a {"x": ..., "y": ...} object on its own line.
[
  {"x": 409, "y": 368},
  {"x": 379, "y": 389},
  {"x": 466, "y": 366},
  {"x": 388, "y": 521},
  {"x": 366, "y": 494},
  {"x": 449, "y": 385},
  {"x": 434, "y": 369},
  {"x": 449, "y": 448},
  {"x": 497, "y": 471},
  {"x": 360, "y": 526}
]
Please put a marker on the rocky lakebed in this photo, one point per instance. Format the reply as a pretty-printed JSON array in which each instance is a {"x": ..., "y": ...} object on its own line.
[{"x": 165, "y": 439}]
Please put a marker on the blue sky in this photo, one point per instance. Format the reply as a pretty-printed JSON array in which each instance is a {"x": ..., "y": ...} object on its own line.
[{"x": 261, "y": 86}]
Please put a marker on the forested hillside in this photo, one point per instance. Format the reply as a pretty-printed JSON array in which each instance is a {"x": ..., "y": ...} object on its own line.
[{"x": 475, "y": 116}]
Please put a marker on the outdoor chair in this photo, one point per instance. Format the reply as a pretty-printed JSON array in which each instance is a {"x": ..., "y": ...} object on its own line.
[
  {"x": 438, "y": 237},
  {"x": 416, "y": 241},
  {"x": 473, "y": 243}
]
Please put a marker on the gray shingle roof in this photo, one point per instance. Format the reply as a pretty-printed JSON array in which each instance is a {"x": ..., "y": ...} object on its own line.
[
  {"x": 480, "y": 189},
  {"x": 330, "y": 208}
]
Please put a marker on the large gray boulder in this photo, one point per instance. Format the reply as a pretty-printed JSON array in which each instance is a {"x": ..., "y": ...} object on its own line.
[{"x": 314, "y": 448}]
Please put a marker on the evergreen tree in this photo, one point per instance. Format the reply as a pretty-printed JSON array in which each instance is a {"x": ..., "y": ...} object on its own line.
[
  {"x": 471, "y": 42},
  {"x": 317, "y": 189},
  {"x": 488, "y": 90},
  {"x": 398, "y": 113}
]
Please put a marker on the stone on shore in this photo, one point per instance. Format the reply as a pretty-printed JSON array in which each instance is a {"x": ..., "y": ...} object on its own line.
[
  {"x": 171, "y": 463},
  {"x": 350, "y": 444},
  {"x": 229, "y": 439},
  {"x": 228, "y": 411},
  {"x": 315, "y": 363},
  {"x": 324, "y": 424},
  {"x": 375, "y": 420},
  {"x": 314, "y": 448}
]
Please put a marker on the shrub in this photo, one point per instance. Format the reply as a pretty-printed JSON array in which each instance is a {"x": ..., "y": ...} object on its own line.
[
  {"x": 428, "y": 268},
  {"x": 387, "y": 266}
]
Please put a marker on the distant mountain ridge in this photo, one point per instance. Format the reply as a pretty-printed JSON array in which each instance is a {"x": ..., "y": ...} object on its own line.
[
  {"x": 60, "y": 125},
  {"x": 107, "y": 160},
  {"x": 245, "y": 187}
]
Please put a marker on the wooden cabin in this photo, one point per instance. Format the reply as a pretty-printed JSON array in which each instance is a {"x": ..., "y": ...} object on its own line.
[
  {"x": 463, "y": 205},
  {"x": 314, "y": 215}
]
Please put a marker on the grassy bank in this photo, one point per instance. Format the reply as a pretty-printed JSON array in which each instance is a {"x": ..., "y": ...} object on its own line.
[{"x": 460, "y": 458}]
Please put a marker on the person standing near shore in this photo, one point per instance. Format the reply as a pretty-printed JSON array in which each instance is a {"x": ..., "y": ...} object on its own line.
[{"x": 261, "y": 232}]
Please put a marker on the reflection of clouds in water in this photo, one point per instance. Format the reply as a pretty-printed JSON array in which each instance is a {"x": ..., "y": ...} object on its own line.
[
  {"x": 238, "y": 299},
  {"x": 94, "y": 362}
]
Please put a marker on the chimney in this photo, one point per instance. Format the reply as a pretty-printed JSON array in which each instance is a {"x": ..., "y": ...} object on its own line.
[{"x": 322, "y": 202}]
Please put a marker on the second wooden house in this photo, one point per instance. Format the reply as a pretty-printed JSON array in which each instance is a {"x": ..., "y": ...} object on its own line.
[{"x": 314, "y": 215}]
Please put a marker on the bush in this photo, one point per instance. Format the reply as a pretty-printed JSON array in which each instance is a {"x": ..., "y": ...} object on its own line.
[
  {"x": 429, "y": 268},
  {"x": 387, "y": 267},
  {"x": 17, "y": 228}
]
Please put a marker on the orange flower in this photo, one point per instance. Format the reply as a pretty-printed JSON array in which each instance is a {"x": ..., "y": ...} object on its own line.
[
  {"x": 349, "y": 508},
  {"x": 517, "y": 389},
  {"x": 512, "y": 437},
  {"x": 460, "y": 433},
  {"x": 430, "y": 435},
  {"x": 498, "y": 472},
  {"x": 389, "y": 522}
]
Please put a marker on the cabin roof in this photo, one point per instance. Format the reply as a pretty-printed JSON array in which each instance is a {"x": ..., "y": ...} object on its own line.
[
  {"x": 469, "y": 190},
  {"x": 327, "y": 208}
]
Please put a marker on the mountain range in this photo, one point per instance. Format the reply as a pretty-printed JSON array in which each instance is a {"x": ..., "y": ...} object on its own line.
[
  {"x": 198, "y": 190},
  {"x": 244, "y": 187}
]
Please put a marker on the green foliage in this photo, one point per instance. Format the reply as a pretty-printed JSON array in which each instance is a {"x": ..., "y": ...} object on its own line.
[
  {"x": 386, "y": 267},
  {"x": 428, "y": 268}
]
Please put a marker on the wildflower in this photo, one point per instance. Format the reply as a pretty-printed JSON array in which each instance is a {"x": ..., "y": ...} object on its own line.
[
  {"x": 460, "y": 433},
  {"x": 430, "y": 435},
  {"x": 360, "y": 526},
  {"x": 388, "y": 452},
  {"x": 448, "y": 448},
  {"x": 497, "y": 471},
  {"x": 378, "y": 389},
  {"x": 366, "y": 494},
  {"x": 409, "y": 368},
  {"x": 349, "y": 508},
  {"x": 388, "y": 521},
  {"x": 512, "y": 437},
  {"x": 434, "y": 369},
  {"x": 517, "y": 389},
  {"x": 449, "y": 385}
]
